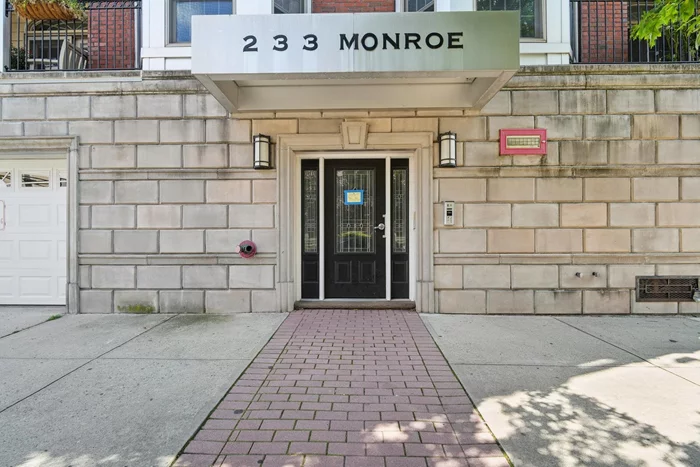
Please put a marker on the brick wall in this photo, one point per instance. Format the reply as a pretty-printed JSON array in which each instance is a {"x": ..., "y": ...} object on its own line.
[
  {"x": 111, "y": 38},
  {"x": 352, "y": 6},
  {"x": 604, "y": 32}
]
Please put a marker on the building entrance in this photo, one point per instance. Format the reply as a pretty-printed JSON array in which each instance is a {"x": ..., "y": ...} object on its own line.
[{"x": 361, "y": 229}]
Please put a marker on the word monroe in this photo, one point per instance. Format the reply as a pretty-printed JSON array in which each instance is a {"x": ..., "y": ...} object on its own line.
[{"x": 369, "y": 41}]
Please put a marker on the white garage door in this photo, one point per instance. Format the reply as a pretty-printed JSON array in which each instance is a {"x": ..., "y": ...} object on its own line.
[{"x": 33, "y": 232}]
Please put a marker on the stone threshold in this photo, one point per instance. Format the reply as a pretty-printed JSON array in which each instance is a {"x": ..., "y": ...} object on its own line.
[{"x": 355, "y": 305}]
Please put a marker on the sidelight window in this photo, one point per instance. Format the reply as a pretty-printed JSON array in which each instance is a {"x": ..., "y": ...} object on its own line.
[
  {"x": 399, "y": 210},
  {"x": 310, "y": 203}
]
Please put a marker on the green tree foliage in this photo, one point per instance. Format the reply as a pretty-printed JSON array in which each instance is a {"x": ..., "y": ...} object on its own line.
[
  {"x": 680, "y": 16},
  {"x": 18, "y": 58}
]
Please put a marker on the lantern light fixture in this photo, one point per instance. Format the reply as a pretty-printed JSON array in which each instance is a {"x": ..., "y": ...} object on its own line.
[
  {"x": 448, "y": 149},
  {"x": 262, "y": 152}
]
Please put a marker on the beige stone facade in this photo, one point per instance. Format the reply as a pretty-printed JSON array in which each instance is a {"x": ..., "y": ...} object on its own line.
[
  {"x": 166, "y": 190},
  {"x": 569, "y": 232}
]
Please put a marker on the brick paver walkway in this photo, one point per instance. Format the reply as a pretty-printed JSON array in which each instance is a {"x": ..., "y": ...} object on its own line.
[{"x": 346, "y": 389}]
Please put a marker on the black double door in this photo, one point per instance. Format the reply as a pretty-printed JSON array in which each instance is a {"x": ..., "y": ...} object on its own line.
[{"x": 355, "y": 229}]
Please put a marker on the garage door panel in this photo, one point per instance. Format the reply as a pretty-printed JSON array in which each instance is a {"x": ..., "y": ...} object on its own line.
[
  {"x": 7, "y": 249},
  {"x": 36, "y": 286},
  {"x": 11, "y": 218},
  {"x": 61, "y": 284},
  {"x": 62, "y": 250},
  {"x": 61, "y": 215},
  {"x": 33, "y": 244},
  {"x": 35, "y": 215},
  {"x": 36, "y": 250},
  {"x": 7, "y": 287}
]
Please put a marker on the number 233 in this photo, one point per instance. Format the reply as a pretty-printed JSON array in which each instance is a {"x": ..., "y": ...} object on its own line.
[{"x": 281, "y": 43}]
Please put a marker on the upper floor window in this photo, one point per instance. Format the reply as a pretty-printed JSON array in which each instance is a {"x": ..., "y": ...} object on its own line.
[
  {"x": 289, "y": 6},
  {"x": 183, "y": 11},
  {"x": 420, "y": 5},
  {"x": 531, "y": 14}
]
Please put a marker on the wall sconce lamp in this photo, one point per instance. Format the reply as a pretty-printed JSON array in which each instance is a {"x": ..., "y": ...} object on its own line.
[
  {"x": 262, "y": 152},
  {"x": 448, "y": 149}
]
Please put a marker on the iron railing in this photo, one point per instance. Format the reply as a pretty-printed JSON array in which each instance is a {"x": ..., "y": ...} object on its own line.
[
  {"x": 108, "y": 37},
  {"x": 601, "y": 33}
]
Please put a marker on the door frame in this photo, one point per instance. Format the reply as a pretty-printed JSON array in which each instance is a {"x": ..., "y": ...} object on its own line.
[
  {"x": 419, "y": 146},
  {"x": 61, "y": 147},
  {"x": 349, "y": 155},
  {"x": 56, "y": 168}
]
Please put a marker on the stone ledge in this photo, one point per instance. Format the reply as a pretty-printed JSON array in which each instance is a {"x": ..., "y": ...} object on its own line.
[
  {"x": 178, "y": 174},
  {"x": 38, "y": 144},
  {"x": 611, "y": 69},
  {"x": 98, "y": 83},
  {"x": 648, "y": 76},
  {"x": 642, "y": 76},
  {"x": 584, "y": 258},
  {"x": 623, "y": 171},
  {"x": 178, "y": 260},
  {"x": 622, "y": 69}
]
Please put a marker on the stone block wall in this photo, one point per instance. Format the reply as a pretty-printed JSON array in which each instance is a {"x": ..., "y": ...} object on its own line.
[
  {"x": 167, "y": 190},
  {"x": 615, "y": 197}
]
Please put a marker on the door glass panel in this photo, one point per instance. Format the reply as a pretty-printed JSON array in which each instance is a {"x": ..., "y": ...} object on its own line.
[
  {"x": 62, "y": 179},
  {"x": 310, "y": 211},
  {"x": 400, "y": 210},
  {"x": 35, "y": 179},
  {"x": 5, "y": 179},
  {"x": 354, "y": 222}
]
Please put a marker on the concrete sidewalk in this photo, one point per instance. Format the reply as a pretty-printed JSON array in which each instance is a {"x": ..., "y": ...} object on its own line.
[
  {"x": 581, "y": 391},
  {"x": 16, "y": 318},
  {"x": 117, "y": 390}
]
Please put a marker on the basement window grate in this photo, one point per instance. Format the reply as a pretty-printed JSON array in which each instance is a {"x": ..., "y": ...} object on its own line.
[{"x": 666, "y": 288}]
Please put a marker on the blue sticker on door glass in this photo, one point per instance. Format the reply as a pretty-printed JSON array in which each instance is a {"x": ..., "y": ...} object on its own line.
[{"x": 354, "y": 197}]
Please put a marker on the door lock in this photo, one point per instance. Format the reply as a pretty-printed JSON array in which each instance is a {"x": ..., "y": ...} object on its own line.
[{"x": 380, "y": 226}]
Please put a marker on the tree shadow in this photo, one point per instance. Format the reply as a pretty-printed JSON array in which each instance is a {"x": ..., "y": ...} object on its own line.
[
  {"x": 574, "y": 429},
  {"x": 608, "y": 395},
  {"x": 47, "y": 459}
]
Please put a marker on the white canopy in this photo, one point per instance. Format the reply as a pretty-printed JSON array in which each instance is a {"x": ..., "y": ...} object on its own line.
[{"x": 355, "y": 61}]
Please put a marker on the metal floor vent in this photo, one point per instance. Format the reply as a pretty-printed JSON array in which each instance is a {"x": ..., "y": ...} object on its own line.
[{"x": 666, "y": 288}]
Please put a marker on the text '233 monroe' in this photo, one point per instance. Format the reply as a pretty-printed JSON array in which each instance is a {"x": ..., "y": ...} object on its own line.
[{"x": 369, "y": 41}]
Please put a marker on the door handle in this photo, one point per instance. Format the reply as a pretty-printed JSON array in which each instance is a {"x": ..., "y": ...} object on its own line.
[{"x": 380, "y": 226}]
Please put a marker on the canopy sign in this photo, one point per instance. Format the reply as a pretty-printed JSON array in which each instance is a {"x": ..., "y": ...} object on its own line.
[{"x": 428, "y": 48}]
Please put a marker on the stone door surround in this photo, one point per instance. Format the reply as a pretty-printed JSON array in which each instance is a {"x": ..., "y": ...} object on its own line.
[{"x": 353, "y": 136}]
